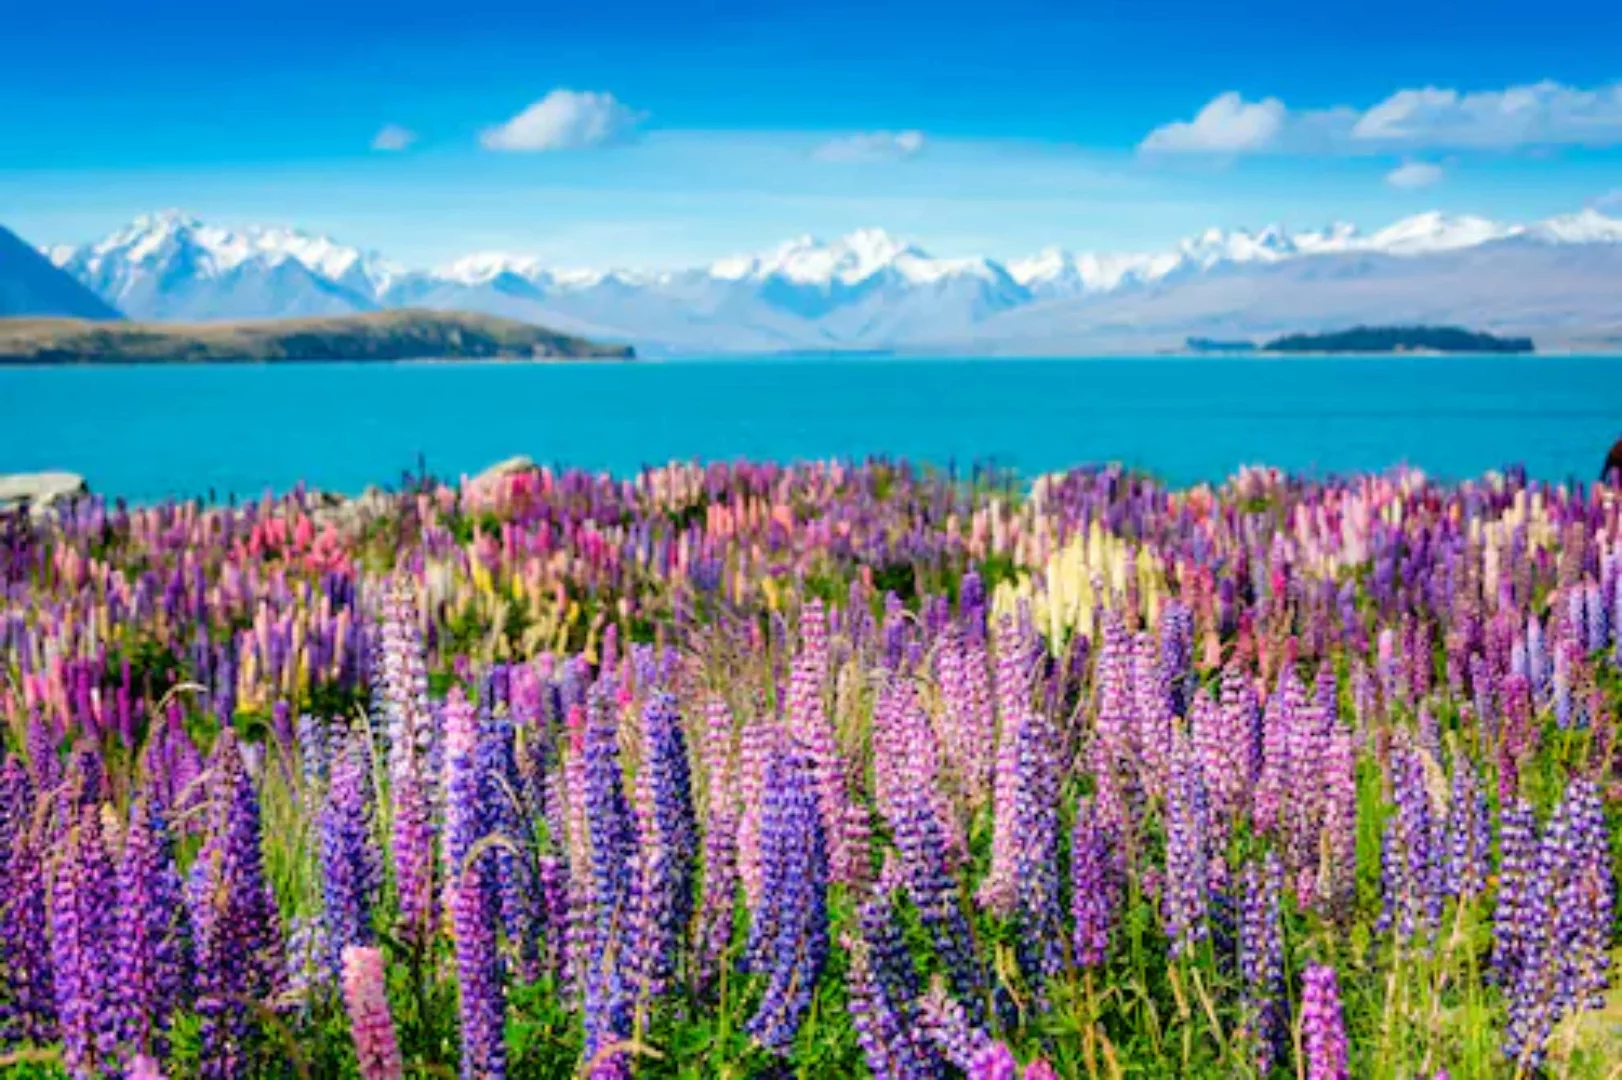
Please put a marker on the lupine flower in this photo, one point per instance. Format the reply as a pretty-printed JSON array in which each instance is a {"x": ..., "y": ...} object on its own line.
[
  {"x": 614, "y": 894},
  {"x": 946, "y": 1023},
  {"x": 143, "y": 1068},
  {"x": 1261, "y": 961},
  {"x": 1186, "y": 904},
  {"x": 1039, "y": 906},
  {"x": 377, "y": 1053},
  {"x": 720, "y": 889},
  {"x": 1514, "y": 912},
  {"x": 1410, "y": 854},
  {"x": 788, "y": 939},
  {"x": 1096, "y": 884},
  {"x": 1468, "y": 832},
  {"x": 153, "y": 942},
  {"x": 669, "y": 844},
  {"x": 27, "y": 1001},
  {"x": 1323, "y": 1030},
  {"x": 881, "y": 988},
  {"x": 923, "y": 867},
  {"x": 234, "y": 917},
  {"x": 483, "y": 1006},
  {"x": 809, "y": 724},
  {"x": 351, "y": 865},
  {"x": 82, "y": 934}
]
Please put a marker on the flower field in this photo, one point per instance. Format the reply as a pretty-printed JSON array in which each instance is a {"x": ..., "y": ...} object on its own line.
[{"x": 817, "y": 771}]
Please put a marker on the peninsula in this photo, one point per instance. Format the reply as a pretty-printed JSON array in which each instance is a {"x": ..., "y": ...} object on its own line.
[
  {"x": 1374, "y": 339},
  {"x": 408, "y": 334}
]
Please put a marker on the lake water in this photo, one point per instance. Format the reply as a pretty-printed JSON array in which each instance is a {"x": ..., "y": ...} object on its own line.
[{"x": 149, "y": 432}]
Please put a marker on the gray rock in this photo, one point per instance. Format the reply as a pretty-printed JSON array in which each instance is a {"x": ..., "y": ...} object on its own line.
[
  {"x": 502, "y": 469},
  {"x": 40, "y": 492}
]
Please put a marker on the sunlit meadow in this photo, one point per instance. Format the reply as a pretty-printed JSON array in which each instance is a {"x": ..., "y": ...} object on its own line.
[{"x": 816, "y": 771}]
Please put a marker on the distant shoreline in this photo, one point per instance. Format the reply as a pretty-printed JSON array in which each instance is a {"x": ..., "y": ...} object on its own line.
[{"x": 408, "y": 335}]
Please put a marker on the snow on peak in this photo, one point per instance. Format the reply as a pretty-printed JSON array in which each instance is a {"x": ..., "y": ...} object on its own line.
[
  {"x": 483, "y": 267},
  {"x": 1435, "y": 231},
  {"x": 849, "y": 260},
  {"x": 1587, "y": 226}
]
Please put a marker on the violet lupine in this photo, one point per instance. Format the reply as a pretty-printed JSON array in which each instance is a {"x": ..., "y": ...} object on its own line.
[
  {"x": 1323, "y": 1028},
  {"x": 812, "y": 728},
  {"x": 1187, "y": 900},
  {"x": 970, "y": 721},
  {"x": 669, "y": 843},
  {"x": 153, "y": 939},
  {"x": 27, "y": 1006},
  {"x": 482, "y": 1004},
  {"x": 1015, "y": 660},
  {"x": 788, "y": 938},
  {"x": 1337, "y": 869},
  {"x": 1152, "y": 733},
  {"x": 1410, "y": 854},
  {"x": 1097, "y": 879},
  {"x": 82, "y": 934},
  {"x": 1468, "y": 832},
  {"x": 946, "y": 1023},
  {"x": 994, "y": 1062},
  {"x": 402, "y": 672},
  {"x": 1038, "y": 907},
  {"x": 1261, "y": 962},
  {"x": 720, "y": 888},
  {"x": 351, "y": 865},
  {"x": 1513, "y": 912},
  {"x": 234, "y": 917},
  {"x": 377, "y": 1052},
  {"x": 612, "y": 895},
  {"x": 924, "y": 869},
  {"x": 882, "y": 988},
  {"x": 467, "y": 802}
]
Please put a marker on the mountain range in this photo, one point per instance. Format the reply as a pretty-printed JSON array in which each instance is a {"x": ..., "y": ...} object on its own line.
[{"x": 1558, "y": 280}]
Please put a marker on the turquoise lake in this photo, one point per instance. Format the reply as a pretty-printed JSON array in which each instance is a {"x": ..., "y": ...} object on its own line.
[{"x": 149, "y": 432}]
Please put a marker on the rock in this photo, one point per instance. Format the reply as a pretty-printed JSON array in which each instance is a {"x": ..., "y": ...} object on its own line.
[
  {"x": 503, "y": 469},
  {"x": 40, "y": 492},
  {"x": 1613, "y": 463}
]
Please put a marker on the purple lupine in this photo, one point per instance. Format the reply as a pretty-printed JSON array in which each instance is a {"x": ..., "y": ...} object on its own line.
[
  {"x": 1261, "y": 962},
  {"x": 1468, "y": 832},
  {"x": 1337, "y": 870},
  {"x": 402, "y": 672},
  {"x": 154, "y": 941},
  {"x": 467, "y": 809},
  {"x": 1038, "y": 909},
  {"x": 924, "y": 870},
  {"x": 365, "y": 991},
  {"x": 482, "y": 1003},
  {"x": 235, "y": 920},
  {"x": 27, "y": 1005},
  {"x": 882, "y": 988},
  {"x": 1097, "y": 877},
  {"x": 998, "y": 892},
  {"x": 82, "y": 935},
  {"x": 351, "y": 865},
  {"x": 143, "y": 1068},
  {"x": 945, "y": 1022},
  {"x": 1323, "y": 1029},
  {"x": 1584, "y": 908},
  {"x": 1410, "y": 854},
  {"x": 612, "y": 895},
  {"x": 714, "y": 931},
  {"x": 1513, "y": 912},
  {"x": 1152, "y": 733},
  {"x": 669, "y": 843},
  {"x": 788, "y": 937},
  {"x": 810, "y": 725},
  {"x": 1187, "y": 899}
]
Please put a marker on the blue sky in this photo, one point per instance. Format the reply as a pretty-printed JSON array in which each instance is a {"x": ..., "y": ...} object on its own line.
[{"x": 616, "y": 133}]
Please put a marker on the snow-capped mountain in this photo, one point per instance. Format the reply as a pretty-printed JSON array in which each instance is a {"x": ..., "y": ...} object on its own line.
[
  {"x": 171, "y": 266},
  {"x": 869, "y": 289}
]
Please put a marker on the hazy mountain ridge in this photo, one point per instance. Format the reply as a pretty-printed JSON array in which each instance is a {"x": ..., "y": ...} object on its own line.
[
  {"x": 30, "y": 284},
  {"x": 1557, "y": 278}
]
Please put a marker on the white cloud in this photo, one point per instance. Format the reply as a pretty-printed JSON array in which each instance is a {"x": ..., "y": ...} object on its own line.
[
  {"x": 872, "y": 146},
  {"x": 1533, "y": 115},
  {"x": 393, "y": 137},
  {"x": 566, "y": 120},
  {"x": 1229, "y": 124},
  {"x": 1414, "y": 174}
]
